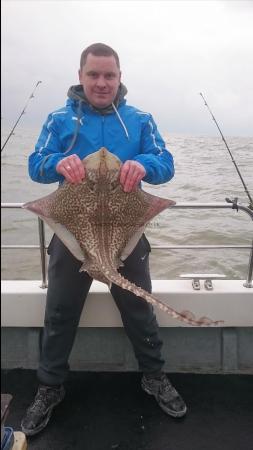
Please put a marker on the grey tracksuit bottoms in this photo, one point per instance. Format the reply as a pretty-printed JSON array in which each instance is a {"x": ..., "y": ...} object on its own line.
[{"x": 67, "y": 291}]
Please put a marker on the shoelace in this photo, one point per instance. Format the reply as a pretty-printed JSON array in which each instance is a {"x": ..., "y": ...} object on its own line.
[
  {"x": 167, "y": 389},
  {"x": 41, "y": 400}
]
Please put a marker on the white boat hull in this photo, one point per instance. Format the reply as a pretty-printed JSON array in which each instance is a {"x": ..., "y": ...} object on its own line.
[{"x": 23, "y": 303}]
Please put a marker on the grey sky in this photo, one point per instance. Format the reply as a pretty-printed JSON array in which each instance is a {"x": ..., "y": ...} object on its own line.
[{"x": 169, "y": 51}]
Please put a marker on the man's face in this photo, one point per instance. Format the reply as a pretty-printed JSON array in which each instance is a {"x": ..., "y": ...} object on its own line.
[{"x": 100, "y": 78}]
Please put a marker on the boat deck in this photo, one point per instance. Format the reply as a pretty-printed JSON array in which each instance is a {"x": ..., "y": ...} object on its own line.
[{"x": 105, "y": 411}]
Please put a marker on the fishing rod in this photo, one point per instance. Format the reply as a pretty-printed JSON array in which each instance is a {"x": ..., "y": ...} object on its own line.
[
  {"x": 23, "y": 112},
  {"x": 233, "y": 160}
]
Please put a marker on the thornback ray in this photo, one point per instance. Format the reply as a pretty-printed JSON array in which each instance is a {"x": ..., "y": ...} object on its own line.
[{"x": 101, "y": 224}]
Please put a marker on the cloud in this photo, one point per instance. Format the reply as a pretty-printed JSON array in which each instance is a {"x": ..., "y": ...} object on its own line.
[{"x": 169, "y": 51}]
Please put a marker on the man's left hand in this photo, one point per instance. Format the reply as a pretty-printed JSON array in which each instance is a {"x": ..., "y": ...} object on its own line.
[{"x": 132, "y": 172}]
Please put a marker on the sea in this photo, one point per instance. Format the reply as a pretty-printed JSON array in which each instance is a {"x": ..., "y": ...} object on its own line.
[{"x": 204, "y": 173}]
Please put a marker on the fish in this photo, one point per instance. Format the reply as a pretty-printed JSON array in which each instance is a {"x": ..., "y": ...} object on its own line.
[{"x": 101, "y": 224}]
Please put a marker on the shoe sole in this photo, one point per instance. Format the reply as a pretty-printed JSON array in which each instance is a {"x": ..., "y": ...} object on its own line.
[
  {"x": 41, "y": 427},
  {"x": 169, "y": 412}
]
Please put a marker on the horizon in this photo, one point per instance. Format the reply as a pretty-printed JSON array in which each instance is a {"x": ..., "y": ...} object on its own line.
[{"x": 174, "y": 51}]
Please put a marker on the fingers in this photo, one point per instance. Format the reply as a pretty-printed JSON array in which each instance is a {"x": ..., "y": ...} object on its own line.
[
  {"x": 131, "y": 174},
  {"x": 71, "y": 168}
]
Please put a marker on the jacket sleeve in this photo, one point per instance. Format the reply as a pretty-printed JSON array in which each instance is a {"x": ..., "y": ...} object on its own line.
[
  {"x": 156, "y": 159},
  {"x": 42, "y": 162}
]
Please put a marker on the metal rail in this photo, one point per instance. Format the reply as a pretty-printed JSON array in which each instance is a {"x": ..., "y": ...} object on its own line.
[{"x": 231, "y": 205}]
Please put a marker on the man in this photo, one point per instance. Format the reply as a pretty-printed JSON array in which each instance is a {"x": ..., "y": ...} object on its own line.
[{"x": 95, "y": 116}]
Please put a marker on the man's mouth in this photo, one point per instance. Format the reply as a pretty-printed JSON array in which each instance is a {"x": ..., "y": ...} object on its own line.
[{"x": 101, "y": 93}]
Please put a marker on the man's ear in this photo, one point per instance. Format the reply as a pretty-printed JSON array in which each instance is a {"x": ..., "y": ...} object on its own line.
[{"x": 79, "y": 74}]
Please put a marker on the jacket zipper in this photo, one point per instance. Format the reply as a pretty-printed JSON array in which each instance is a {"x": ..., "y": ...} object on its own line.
[{"x": 103, "y": 131}]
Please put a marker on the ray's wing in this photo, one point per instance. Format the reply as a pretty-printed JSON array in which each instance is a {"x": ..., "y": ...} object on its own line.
[
  {"x": 140, "y": 211},
  {"x": 42, "y": 207}
]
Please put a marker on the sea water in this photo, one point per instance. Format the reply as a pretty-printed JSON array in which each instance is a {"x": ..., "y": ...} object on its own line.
[{"x": 204, "y": 173}]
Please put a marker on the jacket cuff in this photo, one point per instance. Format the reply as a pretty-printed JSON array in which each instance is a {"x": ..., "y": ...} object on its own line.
[{"x": 48, "y": 167}]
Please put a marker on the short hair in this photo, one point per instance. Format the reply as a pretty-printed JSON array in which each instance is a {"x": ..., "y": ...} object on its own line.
[{"x": 98, "y": 49}]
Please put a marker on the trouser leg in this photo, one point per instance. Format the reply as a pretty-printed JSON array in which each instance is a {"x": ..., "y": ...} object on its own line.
[
  {"x": 137, "y": 315},
  {"x": 67, "y": 291}
]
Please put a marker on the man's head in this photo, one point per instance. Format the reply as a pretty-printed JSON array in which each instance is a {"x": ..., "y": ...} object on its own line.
[{"x": 99, "y": 74}]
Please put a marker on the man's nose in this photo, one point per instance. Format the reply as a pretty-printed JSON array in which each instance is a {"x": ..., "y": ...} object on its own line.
[{"x": 101, "y": 82}]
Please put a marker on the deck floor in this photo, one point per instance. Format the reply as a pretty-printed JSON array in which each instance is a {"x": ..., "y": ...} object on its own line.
[{"x": 105, "y": 411}]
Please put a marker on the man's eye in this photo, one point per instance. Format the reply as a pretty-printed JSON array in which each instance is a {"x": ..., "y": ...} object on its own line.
[{"x": 110, "y": 76}]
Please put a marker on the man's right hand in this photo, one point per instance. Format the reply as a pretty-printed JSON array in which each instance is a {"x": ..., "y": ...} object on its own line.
[{"x": 71, "y": 168}]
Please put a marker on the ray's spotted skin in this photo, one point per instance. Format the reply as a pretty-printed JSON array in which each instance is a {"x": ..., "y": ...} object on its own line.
[{"x": 101, "y": 224}]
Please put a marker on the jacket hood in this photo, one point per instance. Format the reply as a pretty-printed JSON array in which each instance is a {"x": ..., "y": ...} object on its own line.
[{"x": 77, "y": 93}]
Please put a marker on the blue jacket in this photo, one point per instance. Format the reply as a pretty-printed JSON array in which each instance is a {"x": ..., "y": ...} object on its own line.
[{"x": 79, "y": 128}]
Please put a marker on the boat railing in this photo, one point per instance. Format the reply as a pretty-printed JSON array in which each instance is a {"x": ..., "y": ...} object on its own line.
[{"x": 229, "y": 205}]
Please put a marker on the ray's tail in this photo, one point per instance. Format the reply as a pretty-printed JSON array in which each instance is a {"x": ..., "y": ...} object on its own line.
[{"x": 184, "y": 316}]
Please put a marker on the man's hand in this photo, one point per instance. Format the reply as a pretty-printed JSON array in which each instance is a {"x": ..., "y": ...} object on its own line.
[
  {"x": 131, "y": 174},
  {"x": 71, "y": 168}
]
